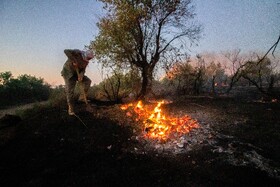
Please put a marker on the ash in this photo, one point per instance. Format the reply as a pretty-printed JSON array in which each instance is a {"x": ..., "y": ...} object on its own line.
[{"x": 177, "y": 144}]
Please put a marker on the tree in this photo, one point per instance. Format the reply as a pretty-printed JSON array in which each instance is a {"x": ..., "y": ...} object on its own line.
[
  {"x": 237, "y": 65},
  {"x": 215, "y": 76},
  {"x": 118, "y": 85},
  {"x": 183, "y": 77},
  {"x": 143, "y": 34},
  {"x": 5, "y": 77},
  {"x": 199, "y": 75},
  {"x": 260, "y": 73}
]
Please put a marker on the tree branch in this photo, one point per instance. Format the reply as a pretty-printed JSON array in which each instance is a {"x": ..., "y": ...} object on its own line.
[
  {"x": 172, "y": 40},
  {"x": 274, "y": 46}
]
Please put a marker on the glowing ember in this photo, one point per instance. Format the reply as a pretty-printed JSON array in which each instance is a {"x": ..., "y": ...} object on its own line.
[{"x": 156, "y": 124}]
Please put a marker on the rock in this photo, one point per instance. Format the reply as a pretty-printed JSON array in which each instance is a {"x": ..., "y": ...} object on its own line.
[
  {"x": 181, "y": 145},
  {"x": 109, "y": 147},
  {"x": 9, "y": 120}
]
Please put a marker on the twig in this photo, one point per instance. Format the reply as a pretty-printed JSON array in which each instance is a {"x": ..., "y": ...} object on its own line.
[{"x": 198, "y": 105}]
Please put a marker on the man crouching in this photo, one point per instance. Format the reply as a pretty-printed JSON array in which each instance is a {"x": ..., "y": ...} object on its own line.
[{"x": 73, "y": 71}]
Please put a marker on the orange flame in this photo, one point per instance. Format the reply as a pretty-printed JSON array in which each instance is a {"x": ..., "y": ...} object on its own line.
[{"x": 157, "y": 125}]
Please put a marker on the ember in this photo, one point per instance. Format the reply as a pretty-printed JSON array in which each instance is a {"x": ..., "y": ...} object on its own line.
[{"x": 157, "y": 125}]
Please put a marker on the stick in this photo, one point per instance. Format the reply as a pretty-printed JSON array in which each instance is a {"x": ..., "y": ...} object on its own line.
[
  {"x": 198, "y": 105},
  {"x": 81, "y": 120}
]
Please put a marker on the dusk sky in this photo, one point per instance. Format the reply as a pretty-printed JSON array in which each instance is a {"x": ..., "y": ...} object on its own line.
[{"x": 34, "y": 33}]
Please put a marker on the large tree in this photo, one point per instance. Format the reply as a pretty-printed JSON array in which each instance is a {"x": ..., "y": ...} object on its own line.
[{"x": 144, "y": 33}]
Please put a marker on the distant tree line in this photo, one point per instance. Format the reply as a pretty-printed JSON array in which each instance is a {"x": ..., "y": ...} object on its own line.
[
  {"x": 222, "y": 77},
  {"x": 197, "y": 76},
  {"x": 23, "y": 89}
]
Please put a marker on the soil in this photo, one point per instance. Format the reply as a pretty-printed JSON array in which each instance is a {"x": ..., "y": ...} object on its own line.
[
  {"x": 12, "y": 110},
  {"x": 237, "y": 145}
]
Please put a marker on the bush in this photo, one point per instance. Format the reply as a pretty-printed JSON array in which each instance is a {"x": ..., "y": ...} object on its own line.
[
  {"x": 57, "y": 96},
  {"x": 23, "y": 89}
]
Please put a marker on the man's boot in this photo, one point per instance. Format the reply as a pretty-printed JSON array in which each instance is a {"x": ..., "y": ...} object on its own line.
[
  {"x": 83, "y": 98},
  {"x": 71, "y": 110}
]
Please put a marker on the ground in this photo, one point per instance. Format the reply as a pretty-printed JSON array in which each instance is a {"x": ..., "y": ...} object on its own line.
[{"x": 237, "y": 144}]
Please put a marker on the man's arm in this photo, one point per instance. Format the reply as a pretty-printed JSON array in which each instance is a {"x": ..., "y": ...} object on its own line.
[
  {"x": 80, "y": 74},
  {"x": 72, "y": 55}
]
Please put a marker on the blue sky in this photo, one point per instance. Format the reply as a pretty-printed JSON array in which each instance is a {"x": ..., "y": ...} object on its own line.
[
  {"x": 34, "y": 33},
  {"x": 246, "y": 24}
]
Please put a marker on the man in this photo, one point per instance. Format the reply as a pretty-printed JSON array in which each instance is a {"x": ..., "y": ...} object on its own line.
[{"x": 73, "y": 71}]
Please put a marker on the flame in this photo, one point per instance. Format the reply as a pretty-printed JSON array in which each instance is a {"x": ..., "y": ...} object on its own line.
[{"x": 156, "y": 124}]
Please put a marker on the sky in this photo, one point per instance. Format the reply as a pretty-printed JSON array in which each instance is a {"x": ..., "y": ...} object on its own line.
[{"x": 34, "y": 33}]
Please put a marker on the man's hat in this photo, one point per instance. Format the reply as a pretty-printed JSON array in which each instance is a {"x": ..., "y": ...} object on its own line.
[{"x": 87, "y": 55}]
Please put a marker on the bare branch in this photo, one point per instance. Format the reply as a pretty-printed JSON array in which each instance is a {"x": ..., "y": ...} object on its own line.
[{"x": 274, "y": 46}]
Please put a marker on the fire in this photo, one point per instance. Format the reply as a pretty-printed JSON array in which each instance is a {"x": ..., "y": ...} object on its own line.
[{"x": 156, "y": 124}]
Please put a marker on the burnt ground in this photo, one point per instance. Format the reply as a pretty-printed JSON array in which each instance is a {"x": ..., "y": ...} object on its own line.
[{"x": 238, "y": 144}]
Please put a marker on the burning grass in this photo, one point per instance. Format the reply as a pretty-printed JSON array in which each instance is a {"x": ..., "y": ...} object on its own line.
[{"x": 156, "y": 124}]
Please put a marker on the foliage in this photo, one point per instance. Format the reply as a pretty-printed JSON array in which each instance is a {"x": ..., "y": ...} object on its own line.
[
  {"x": 190, "y": 79},
  {"x": 181, "y": 77},
  {"x": 57, "y": 96},
  {"x": 23, "y": 89},
  {"x": 144, "y": 33},
  {"x": 260, "y": 74},
  {"x": 5, "y": 77},
  {"x": 118, "y": 86},
  {"x": 215, "y": 76}
]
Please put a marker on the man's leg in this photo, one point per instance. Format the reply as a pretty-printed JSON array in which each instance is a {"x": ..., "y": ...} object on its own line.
[
  {"x": 69, "y": 90},
  {"x": 84, "y": 87}
]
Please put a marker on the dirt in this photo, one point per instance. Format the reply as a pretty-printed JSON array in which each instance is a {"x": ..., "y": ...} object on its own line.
[
  {"x": 14, "y": 109},
  {"x": 237, "y": 145}
]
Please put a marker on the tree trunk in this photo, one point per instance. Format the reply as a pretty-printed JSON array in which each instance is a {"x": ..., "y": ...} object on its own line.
[
  {"x": 271, "y": 84},
  {"x": 147, "y": 75},
  {"x": 213, "y": 85}
]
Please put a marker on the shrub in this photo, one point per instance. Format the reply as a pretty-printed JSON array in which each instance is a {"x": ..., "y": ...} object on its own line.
[{"x": 23, "y": 89}]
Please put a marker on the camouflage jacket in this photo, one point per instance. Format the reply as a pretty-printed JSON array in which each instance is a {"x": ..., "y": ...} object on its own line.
[{"x": 74, "y": 56}]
